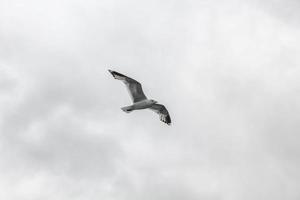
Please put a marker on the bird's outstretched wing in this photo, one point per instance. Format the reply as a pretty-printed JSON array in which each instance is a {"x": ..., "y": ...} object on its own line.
[
  {"x": 134, "y": 88},
  {"x": 162, "y": 112}
]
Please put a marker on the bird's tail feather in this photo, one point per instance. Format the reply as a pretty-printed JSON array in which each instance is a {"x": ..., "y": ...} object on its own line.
[{"x": 127, "y": 109}]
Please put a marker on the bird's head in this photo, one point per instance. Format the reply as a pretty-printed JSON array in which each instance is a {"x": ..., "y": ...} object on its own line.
[{"x": 153, "y": 101}]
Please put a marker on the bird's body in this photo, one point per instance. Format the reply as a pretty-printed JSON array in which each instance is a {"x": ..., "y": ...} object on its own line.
[
  {"x": 143, "y": 104},
  {"x": 139, "y": 99}
]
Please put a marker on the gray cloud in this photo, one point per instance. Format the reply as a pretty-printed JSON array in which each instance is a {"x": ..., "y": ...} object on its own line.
[{"x": 285, "y": 11}]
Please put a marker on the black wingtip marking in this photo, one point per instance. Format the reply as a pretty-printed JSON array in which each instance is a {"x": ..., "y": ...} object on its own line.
[
  {"x": 168, "y": 120},
  {"x": 114, "y": 73}
]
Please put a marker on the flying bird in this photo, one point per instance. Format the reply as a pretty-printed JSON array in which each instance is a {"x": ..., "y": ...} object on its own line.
[{"x": 139, "y": 99}]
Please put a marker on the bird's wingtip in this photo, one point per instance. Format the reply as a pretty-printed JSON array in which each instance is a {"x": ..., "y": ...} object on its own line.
[{"x": 111, "y": 71}]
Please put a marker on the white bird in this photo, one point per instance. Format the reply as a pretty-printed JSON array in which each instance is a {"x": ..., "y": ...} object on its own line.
[{"x": 139, "y": 99}]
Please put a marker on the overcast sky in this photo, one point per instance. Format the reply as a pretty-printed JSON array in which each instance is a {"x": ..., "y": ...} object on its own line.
[{"x": 228, "y": 71}]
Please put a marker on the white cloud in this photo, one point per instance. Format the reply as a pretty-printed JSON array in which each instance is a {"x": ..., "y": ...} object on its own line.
[{"x": 227, "y": 71}]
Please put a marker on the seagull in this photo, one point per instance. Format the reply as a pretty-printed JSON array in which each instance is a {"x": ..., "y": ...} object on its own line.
[{"x": 139, "y": 99}]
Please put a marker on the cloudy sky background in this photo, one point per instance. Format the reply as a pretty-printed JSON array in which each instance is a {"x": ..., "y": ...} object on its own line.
[{"x": 227, "y": 71}]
